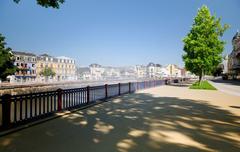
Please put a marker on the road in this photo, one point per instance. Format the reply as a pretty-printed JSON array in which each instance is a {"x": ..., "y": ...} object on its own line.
[
  {"x": 166, "y": 118},
  {"x": 227, "y": 86}
]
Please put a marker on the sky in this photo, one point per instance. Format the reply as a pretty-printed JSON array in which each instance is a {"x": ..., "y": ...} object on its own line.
[{"x": 110, "y": 32}]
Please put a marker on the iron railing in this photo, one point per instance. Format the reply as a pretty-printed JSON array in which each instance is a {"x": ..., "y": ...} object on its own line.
[{"x": 21, "y": 109}]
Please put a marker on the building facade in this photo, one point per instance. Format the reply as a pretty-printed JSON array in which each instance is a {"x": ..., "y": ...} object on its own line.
[
  {"x": 153, "y": 70},
  {"x": 234, "y": 57},
  {"x": 64, "y": 68},
  {"x": 96, "y": 71},
  {"x": 141, "y": 71},
  {"x": 26, "y": 67},
  {"x": 174, "y": 70}
]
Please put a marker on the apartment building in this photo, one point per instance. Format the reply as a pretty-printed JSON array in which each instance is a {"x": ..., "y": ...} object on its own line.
[
  {"x": 234, "y": 57},
  {"x": 26, "y": 67},
  {"x": 96, "y": 71},
  {"x": 141, "y": 71},
  {"x": 153, "y": 70},
  {"x": 64, "y": 68},
  {"x": 174, "y": 70}
]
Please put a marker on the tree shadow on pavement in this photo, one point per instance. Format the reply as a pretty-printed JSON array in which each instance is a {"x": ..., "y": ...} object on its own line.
[{"x": 134, "y": 123}]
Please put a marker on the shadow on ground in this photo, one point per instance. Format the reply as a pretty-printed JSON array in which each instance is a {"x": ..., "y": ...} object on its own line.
[{"x": 134, "y": 123}]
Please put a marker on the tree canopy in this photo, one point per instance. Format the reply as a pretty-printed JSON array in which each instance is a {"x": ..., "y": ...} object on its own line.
[
  {"x": 6, "y": 60},
  {"x": 203, "y": 46},
  {"x": 47, "y": 3},
  {"x": 47, "y": 72}
]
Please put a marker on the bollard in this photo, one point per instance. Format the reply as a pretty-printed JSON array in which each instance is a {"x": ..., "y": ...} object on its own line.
[
  {"x": 129, "y": 87},
  {"x": 106, "y": 91},
  {"x": 59, "y": 99},
  {"x": 6, "y": 111},
  {"x": 119, "y": 89},
  {"x": 88, "y": 94}
]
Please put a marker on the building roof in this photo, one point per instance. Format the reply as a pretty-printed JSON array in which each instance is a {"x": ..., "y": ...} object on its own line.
[
  {"x": 23, "y": 53},
  {"x": 83, "y": 69},
  {"x": 45, "y": 55},
  {"x": 95, "y": 65},
  {"x": 64, "y": 57},
  {"x": 236, "y": 36}
]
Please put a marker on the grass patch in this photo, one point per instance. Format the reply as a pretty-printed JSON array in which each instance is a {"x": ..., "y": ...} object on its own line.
[{"x": 203, "y": 85}]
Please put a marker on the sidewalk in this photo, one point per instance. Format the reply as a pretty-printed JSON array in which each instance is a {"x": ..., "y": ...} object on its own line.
[{"x": 167, "y": 118}]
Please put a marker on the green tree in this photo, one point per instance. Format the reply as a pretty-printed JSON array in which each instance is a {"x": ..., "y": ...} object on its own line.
[
  {"x": 202, "y": 45},
  {"x": 48, "y": 72},
  {"x": 47, "y": 3},
  {"x": 7, "y": 66}
]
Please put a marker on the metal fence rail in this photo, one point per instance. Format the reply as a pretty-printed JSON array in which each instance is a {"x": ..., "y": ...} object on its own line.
[{"x": 16, "y": 110}]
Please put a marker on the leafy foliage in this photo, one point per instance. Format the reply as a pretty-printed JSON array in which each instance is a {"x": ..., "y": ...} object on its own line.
[
  {"x": 202, "y": 45},
  {"x": 47, "y": 72},
  {"x": 47, "y": 3},
  {"x": 6, "y": 60}
]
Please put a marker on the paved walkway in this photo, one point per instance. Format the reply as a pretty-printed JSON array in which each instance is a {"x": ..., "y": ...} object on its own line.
[{"x": 167, "y": 118}]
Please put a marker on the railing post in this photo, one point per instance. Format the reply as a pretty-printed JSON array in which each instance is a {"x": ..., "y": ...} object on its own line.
[
  {"x": 88, "y": 94},
  {"x": 59, "y": 99},
  {"x": 106, "y": 91},
  {"x": 6, "y": 111},
  {"x": 119, "y": 89},
  {"x": 129, "y": 86}
]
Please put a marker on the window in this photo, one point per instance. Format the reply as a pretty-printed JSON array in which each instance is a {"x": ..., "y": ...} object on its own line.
[
  {"x": 18, "y": 58},
  {"x": 17, "y": 64},
  {"x": 33, "y": 65}
]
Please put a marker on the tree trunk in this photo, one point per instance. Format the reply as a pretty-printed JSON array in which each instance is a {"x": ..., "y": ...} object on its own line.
[{"x": 200, "y": 77}]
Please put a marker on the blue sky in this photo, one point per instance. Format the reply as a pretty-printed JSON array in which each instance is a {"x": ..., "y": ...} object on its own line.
[{"x": 110, "y": 32}]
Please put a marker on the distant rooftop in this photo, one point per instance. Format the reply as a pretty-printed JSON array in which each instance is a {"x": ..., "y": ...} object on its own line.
[
  {"x": 64, "y": 57},
  {"x": 23, "y": 53},
  {"x": 45, "y": 55}
]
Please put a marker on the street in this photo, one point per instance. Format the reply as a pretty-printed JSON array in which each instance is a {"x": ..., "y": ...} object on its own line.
[{"x": 227, "y": 86}]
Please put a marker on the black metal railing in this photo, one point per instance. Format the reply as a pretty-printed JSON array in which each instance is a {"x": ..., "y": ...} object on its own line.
[{"x": 16, "y": 110}]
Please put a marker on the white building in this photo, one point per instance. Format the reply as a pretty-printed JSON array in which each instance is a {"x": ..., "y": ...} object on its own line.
[
  {"x": 154, "y": 70},
  {"x": 164, "y": 72},
  {"x": 96, "y": 71},
  {"x": 111, "y": 73},
  {"x": 141, "y": 71},
  {"x": 68, "y": 72}
]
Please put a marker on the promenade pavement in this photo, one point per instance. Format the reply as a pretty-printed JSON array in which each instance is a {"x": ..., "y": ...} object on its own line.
[{"x": 166, "y": 118}]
